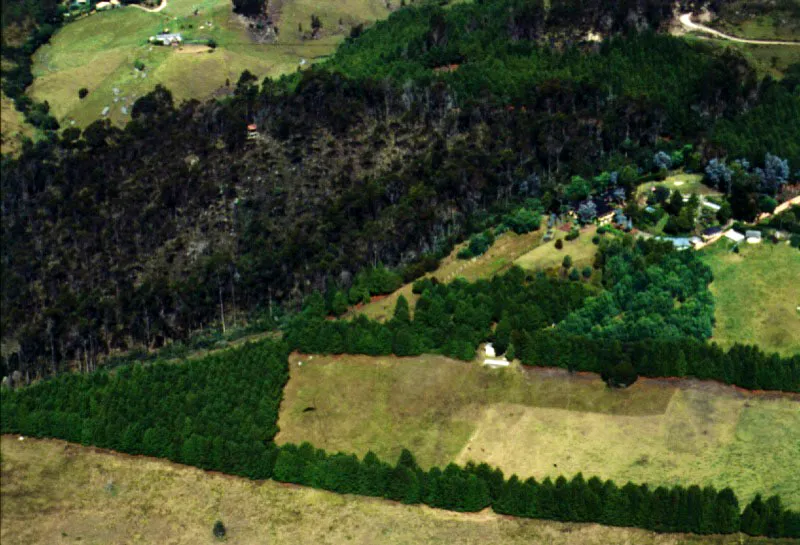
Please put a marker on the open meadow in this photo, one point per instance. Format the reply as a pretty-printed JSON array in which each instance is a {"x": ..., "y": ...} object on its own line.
[
  {"x": 544, "y": 422},
  {"x": 756, "y": 294},
  {"x": 57, "y": 493},
  {"x": 98, "y": 52}
]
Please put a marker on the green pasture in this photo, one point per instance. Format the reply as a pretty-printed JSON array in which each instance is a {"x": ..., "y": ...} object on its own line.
[
  {"x": 98, "y": 52},
  {"x": 756, "y": 294}
]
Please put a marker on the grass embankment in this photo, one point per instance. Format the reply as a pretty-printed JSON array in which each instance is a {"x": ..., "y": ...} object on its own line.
[
  {"x": 542, "y": 423},
  {"x": 58, "y": 493},
  {"x": 756, "y": 294},
  {"x": 98, "y": 52},
  {"x": 500, "y": 256}
]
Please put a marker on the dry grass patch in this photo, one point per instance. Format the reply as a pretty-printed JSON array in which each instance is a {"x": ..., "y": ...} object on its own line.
[
  {"x": 12, "y": 126},
  {"x": 56, "y": 493},
  {"x": 545, "y": 423}
]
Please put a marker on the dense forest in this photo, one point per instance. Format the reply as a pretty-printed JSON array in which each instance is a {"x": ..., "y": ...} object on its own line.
[
  {"x": 118, "y": 239},
  {"x": 221, "y": 412}
]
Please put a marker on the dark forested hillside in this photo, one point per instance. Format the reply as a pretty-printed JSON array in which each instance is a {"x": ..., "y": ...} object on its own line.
[{"x": 114, "y": 239}]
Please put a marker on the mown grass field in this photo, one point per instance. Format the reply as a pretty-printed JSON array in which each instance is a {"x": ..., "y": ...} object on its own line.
[
  {"x": 544, "y": 423},
  {"x": 683, "y": 182},
  {"x": 98, "y": 52},
  {"x": 56, "y": 493},
  {"x": 756, "y": 294}
]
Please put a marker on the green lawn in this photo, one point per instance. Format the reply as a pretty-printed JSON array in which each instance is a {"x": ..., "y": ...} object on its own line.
[
  {"x": 685, "y": 183},
  {"x": 542, "y": 423},
  {"x": 757, "y": 294},
  {"x": 56, "y": 493},
  {"x": 98, "y": 52}
]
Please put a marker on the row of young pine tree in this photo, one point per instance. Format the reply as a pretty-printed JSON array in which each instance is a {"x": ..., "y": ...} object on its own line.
[
  {"x": 220, "y": 413},
  {"x": 475, "y": 487}
]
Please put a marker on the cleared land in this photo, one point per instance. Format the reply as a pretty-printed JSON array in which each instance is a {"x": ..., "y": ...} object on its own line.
[
  {"x": 545, "y": 423},
  {"x": 547, "y": 256},
  {"x": 57, "y": 493},
  {"x": 757, "y": 294},
  {"x": 98, "y": 52}
]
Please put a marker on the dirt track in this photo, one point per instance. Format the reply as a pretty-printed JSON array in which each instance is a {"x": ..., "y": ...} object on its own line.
[{"x": 686, "y": 22}]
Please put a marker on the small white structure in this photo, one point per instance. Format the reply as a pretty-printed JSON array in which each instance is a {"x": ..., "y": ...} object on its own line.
[
  {"x": 712, "y": 206},
  {"x": 734, "y": 236},
  {"x": 167, "y": 38},
  {"x": 105, "y": 111},
  {"x": 753, "y": 234},
  {"x": 491, "y": 359},
  {"x": 100, "y": 6}
]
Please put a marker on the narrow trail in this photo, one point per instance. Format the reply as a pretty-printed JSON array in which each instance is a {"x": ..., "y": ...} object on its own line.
[
  {"x": 161, "y": 6},
  {"x": 686, "y": 22}
]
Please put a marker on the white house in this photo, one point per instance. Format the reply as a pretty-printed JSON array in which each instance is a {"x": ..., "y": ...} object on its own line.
[
  {"x": 491, "y": 359},
  {"x": 167, "y": 38}
]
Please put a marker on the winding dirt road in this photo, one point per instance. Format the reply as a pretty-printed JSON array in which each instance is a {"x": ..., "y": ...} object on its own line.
[
  {"x": 161, "y": 6},
  {"x": 686, "y": 22}
]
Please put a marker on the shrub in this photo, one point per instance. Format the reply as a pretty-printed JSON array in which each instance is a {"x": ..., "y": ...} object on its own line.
[
  {"x": 572, "y": 235},
  {"x": 559, "y": 244},
  {"x": 466, "y": 253},
  {"x": 138, "y": 64},
  {"x": 212, "y": 43},
  {"x": 574, "y": 275},
  {"x": 82, "y": 92},
  {"x": 219, "y": 530},
  {"x": 620, "y": 375},
  {"x": 567, "y": 262},
  {"x": 587, "y": 272},
  {"x": 596, "y": 239}
]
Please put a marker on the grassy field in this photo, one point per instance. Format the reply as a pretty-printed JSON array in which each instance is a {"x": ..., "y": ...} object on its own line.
[
  {"x": 98, "y": 52},
  {"x": 757, "y": 295},
  {"x": 547, "y": 256},
  {"x": 544, "y": 423},
  {"x": 57, "y": 493}
]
